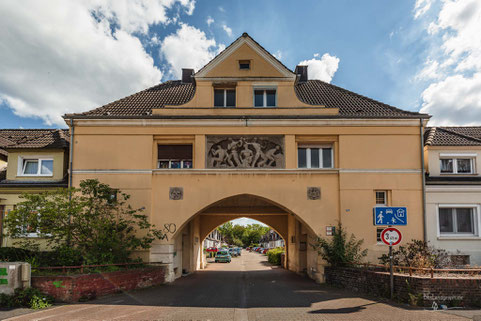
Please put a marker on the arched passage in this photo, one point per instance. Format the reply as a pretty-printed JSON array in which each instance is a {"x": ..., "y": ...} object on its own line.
[{"x": 295, "y": 232}]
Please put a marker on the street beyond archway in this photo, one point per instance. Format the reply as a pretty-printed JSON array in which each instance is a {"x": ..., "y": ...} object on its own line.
[{"x": 247, "y": 289}]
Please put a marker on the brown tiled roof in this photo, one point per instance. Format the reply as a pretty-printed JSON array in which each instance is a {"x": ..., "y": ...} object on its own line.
[
  {"x": 34, "y": 138},
  {"x": 453, "y": 136},
  {"x": 313, "y": 92}
]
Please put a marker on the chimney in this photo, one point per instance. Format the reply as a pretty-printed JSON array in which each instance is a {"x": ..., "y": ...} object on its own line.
[
  {"x": 187, "y": 76},
  {"x": 301, "y": 72}
]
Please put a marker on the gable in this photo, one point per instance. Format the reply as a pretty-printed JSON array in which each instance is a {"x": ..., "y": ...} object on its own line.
[{"x": 263, "y": 64}]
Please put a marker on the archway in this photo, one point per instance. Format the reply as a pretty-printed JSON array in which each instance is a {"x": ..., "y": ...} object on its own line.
[{"x": 188, "y": 238}]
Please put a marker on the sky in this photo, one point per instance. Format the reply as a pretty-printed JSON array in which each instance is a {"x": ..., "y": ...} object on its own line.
[{"x": 59, "y": 56}]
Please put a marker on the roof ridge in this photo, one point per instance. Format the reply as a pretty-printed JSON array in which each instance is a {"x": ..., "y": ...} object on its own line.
[
  {"x": 367, "y": 98},
  {"x": 460, "y": 134}
]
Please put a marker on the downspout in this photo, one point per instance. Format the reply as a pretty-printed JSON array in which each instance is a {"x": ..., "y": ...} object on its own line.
[
  {"x": 423, "y": 178},
  {"x": 70, "y": 175}
]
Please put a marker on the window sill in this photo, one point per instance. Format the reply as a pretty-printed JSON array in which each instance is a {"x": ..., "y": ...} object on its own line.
[
  {"x": 458, "y": 237},
  {"x": 34, "y": 175},
  {"x": 458, "y": 174}
]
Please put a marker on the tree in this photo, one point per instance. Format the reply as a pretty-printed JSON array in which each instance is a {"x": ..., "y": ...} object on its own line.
[
  {"x": 340, "y": 251},
  {"x": 100, "y": 223},
  {"x": 242, "y": 235}
]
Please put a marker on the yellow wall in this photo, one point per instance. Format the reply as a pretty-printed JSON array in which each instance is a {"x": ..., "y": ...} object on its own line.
[{"x": 58, "y": 157}]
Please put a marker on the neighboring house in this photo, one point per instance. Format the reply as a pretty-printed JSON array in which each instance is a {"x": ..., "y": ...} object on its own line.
[
  {"x": 245, "y": 136},
  {"x": 34, "y": 160},
  {"x": 214, "y": 239},
  {"x": 453, "y": 191},
  {"x": 272, "y": 240}
]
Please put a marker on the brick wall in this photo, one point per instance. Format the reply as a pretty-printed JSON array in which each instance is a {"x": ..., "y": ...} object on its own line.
[
  {"x": 88, "y": 286},
  {"x": 450, "y": 291}
]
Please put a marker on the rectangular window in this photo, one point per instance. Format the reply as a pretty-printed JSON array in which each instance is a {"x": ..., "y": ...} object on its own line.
[
  {"x": 244, "y": 64},
  {"x": 314, "y": 157},
  {"x": 457, "y": 166},
  {"x": 265, "y": 97},
  {"x": 174, "y": 156},
  {"x": 37, "y": 167},
  {"x": 378, "y": 234},
  {"x": 224, "y": 97},
  {"x": 457, "y": 220},
  {"x": 381, "y": 198}
]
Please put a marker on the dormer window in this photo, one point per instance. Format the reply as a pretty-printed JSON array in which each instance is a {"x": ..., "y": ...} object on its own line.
[
  {"x": 36, "y": 167},
  {"x": 244, "y": 64},
  {"x": 224, "y": 97},
  {"x": 265, "y": 97},
  {"x": 457, "y": 164}
]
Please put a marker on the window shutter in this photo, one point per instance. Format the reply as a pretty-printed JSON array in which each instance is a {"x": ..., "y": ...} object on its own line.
[{"x": 174, "y": 152}]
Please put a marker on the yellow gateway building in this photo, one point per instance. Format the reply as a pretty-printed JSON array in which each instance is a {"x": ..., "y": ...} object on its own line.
[{"x": 247, "y": 137}]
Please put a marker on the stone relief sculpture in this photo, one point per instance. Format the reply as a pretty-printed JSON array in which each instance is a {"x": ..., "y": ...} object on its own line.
[{"x": 245, "y": 152}]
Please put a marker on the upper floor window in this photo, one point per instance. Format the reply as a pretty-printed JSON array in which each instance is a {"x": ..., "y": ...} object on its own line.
[
  {"x": 224, "y": 97},
  {"x": 458, "y": 220},
  {"x": 174, "y": 156},
  {"x": 36, "y": 167},
  {"x": 457, "y": 165},
  {"x": 266, "y": 97},
  {"x": 314, "y": 157},
  {"x": 244, "y": 64}
]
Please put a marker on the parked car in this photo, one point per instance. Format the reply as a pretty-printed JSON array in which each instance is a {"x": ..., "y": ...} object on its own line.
[
  {"x": 264, "y": 251},
  {"x": 248, "y": 249},
  {"x": 232, "y": 252},
  {"x": 223, "y": 256},
  {"x": 212, "y": 249},
  {"x": 239, "y": 251}
]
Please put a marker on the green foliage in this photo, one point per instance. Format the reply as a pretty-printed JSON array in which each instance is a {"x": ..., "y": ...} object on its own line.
[
  {"x": 417, "y": 254},
  {"x": 97, "y": 226},
  {"x": 27, "y": 298},
  {"x": 242, "y": 235},
  {"x": 14, "y": 254},
  {"x": 274, "y": 255},
  {"x": 340, "y": 251}
]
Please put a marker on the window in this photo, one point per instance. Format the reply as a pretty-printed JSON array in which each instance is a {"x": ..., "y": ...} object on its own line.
[
  {"x": 381, "y": 198},
  {"x": 378, "y": 234},
  {"x": 457, "y": 221},
  {"x": 36, "y": 167},
  {"x": 174, "y": 156},
  {"x": 245, "y": 64},
  {"x": 265, "y": 97},
  {"x": 224, "y": 97},
  {"x": 314, "y": 157},
  {"x": 457, "y": 166}
]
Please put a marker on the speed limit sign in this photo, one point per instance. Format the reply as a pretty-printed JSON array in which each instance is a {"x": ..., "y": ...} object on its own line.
[{"x": 391, "y": 236}]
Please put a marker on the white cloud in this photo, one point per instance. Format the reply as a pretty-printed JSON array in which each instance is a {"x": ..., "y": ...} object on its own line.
[
  {"x": 210, "y": 20},
  {"x": 227, "y": 30},
  {"x": 455, "y": 99},
  {"x": 278, "y": 54},
  {"x": 323, "y": 68},
  {"x": 244, "y": 221},
  {"x": 421, "y": 7},
  {"x": 70, "y": 56},
  {"x": 221, "y": 9},
  {"x": 189, "y": 47}
]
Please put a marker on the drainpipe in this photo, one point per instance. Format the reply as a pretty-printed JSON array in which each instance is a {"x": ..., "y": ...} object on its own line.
[
  {"x": 70, "y": 175},
  {"x": 423, "y": 177}
]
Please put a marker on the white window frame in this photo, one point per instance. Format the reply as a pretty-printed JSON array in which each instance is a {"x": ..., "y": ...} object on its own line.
[
  {"x": 175, "y": 160},
  {"x": 264, "y": 88},
  {"x": 308, "y": 156},
  {"x": 455, "y": 157},
  {"x": 225, "y": 97},
  {"x": 476, "y": 221},
  {"x": 22, "y": 162}
]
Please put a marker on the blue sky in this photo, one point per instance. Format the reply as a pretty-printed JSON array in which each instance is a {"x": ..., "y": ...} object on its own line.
[{"x": 75, "y": 56}]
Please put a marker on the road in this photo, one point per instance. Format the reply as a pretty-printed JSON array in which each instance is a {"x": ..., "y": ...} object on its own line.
[{"x": 246, "y": 289}]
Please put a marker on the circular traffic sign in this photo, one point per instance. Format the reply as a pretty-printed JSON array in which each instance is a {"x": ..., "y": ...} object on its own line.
[{"x": 391, "y": 236}]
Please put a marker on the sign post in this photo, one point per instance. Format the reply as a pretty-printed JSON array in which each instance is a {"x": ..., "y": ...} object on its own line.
[{"x": 391, "y": 236}]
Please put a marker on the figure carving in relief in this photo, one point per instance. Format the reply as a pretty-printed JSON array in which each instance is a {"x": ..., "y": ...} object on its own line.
[
  {"x": 220, "y": 155},
  {"x": 258, "y": 151},
  {"x": 269, "y": 157},
  {"x": 246, "y": 155}
]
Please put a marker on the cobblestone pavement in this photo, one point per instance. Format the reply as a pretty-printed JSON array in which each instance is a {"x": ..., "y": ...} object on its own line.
[{"x": 246, "y": 289}]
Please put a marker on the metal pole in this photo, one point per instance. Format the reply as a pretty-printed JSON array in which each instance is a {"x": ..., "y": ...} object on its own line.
[
  {"x": 390, "y": 270},
  {"x": 423, "y": 179}
]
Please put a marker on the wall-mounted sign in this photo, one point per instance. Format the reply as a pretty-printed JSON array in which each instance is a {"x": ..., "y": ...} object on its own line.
[{"x": 390, "y": 215}]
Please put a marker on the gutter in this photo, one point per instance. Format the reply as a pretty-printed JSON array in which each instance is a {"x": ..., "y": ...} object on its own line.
[{"x": 423, "y": 178}]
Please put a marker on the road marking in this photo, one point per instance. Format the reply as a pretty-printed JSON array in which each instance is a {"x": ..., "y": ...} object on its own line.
[{"x": 129, "y": 314}]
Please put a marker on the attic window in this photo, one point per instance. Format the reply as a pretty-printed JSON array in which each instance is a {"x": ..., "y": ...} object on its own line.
[{"x": 244, "y": 64}]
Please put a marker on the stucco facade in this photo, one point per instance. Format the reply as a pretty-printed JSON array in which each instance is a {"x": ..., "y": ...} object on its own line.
[{"x": 369, "y": 154}]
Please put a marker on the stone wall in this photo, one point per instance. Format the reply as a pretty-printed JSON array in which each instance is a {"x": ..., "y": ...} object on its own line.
[
  {"x": 443, "y": 290},
  {"x": 88, "y": 286}
]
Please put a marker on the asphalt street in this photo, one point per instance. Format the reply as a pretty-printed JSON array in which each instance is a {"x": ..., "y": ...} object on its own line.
[{"x": 247, "y": 289}]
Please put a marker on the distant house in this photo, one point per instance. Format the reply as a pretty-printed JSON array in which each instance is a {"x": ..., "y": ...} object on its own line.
[
  {"x": 453, "y": 191},
  {"x": 31, "y": 161}
]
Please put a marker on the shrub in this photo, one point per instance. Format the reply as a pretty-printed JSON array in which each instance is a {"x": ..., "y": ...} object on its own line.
[
  {"x": 340, "y": 251},
  {"x": 417, "y": 254},
  {"x": 274, "y": 255},
  {"x": 14, "y": 254},
  {"x": 27, "y": 298}
]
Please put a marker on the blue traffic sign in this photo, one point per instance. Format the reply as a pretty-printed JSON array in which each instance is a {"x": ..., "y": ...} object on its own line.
[{"x": 390, "y": 216}]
